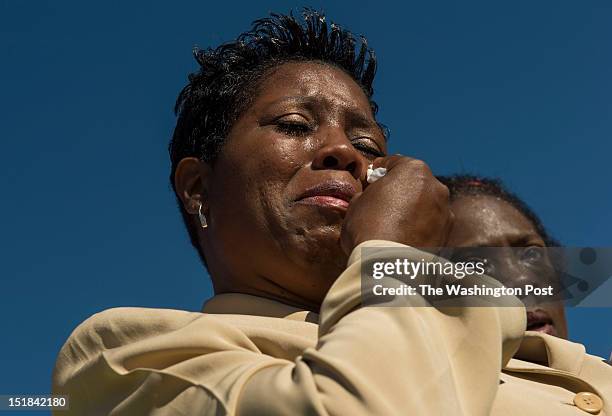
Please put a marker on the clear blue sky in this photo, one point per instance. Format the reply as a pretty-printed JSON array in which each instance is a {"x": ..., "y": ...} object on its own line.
[{"x": 519, "y": 90}]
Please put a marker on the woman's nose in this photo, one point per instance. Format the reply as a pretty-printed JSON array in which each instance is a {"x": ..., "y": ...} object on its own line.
[
  {"x": 339, "y": 154},
  {"x": 511, "y": 272}
]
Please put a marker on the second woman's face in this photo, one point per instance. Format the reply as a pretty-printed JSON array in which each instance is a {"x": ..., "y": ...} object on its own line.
[
  {"x": 280, "y": 188},
  {"x": 518, "y": 257}
]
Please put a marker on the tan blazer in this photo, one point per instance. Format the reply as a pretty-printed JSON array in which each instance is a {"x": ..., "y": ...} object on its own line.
[{"x": 246, "y": 355}]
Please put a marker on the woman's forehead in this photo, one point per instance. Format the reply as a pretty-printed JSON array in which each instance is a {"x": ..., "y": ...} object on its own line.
[
  {"x": 484, "y": 217},
  {"x": 313, "y": 82}
]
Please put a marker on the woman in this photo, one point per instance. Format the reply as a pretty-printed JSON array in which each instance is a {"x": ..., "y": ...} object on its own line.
[
  {"x": 269, "y": 159},
  {"x": 488, "y": 215}
]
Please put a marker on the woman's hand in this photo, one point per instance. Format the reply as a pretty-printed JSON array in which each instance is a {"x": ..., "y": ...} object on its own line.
[{"x": 408, "y": 205}]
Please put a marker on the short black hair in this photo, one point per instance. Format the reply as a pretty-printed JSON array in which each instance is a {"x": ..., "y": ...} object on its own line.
[
  {"x": 466, "y": 185},
  {"x": 228, "y": 77}
]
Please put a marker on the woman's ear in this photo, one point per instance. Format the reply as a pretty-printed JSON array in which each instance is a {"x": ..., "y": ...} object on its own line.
[{"x": 191, "y": 181}]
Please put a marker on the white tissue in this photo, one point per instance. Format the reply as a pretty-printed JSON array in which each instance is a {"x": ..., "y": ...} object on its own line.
[{"x": 375, "y": 174}]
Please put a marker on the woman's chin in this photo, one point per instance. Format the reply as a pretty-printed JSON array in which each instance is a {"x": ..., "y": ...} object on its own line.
[{"x": 318, "y": 248}]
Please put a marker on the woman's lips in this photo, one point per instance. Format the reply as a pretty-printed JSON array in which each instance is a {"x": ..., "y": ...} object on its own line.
[
  {"x": 331, "y": 194},
  {"x": 540, "y": 321},
  {"x": 325, "y": 201}
]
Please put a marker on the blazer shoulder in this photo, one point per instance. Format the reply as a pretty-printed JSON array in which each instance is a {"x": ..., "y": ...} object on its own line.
[{"x": 116, "y": 327}]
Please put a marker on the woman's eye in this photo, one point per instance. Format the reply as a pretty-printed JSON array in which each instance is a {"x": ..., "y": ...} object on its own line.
[
  {"x": 368, "y": 150},
  {"x": 533, "y": 254},
  {"x": 293, "y": 128}
]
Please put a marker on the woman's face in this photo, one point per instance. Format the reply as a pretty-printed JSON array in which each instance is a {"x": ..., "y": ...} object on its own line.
[
  {"x": 486, "y": 221},
  {"x": 276, "y": 196}
]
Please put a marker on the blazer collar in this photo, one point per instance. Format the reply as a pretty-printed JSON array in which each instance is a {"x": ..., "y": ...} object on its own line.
[{"x": 242, "y": 304}]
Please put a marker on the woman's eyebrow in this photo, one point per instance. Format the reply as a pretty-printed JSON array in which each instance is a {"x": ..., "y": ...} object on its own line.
[
  {"x": 354, "y": 117},
  {"x": 298, "y": 100},
  {"x": 357, "y": 119},
  {"x": 526, "y": 240}
]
